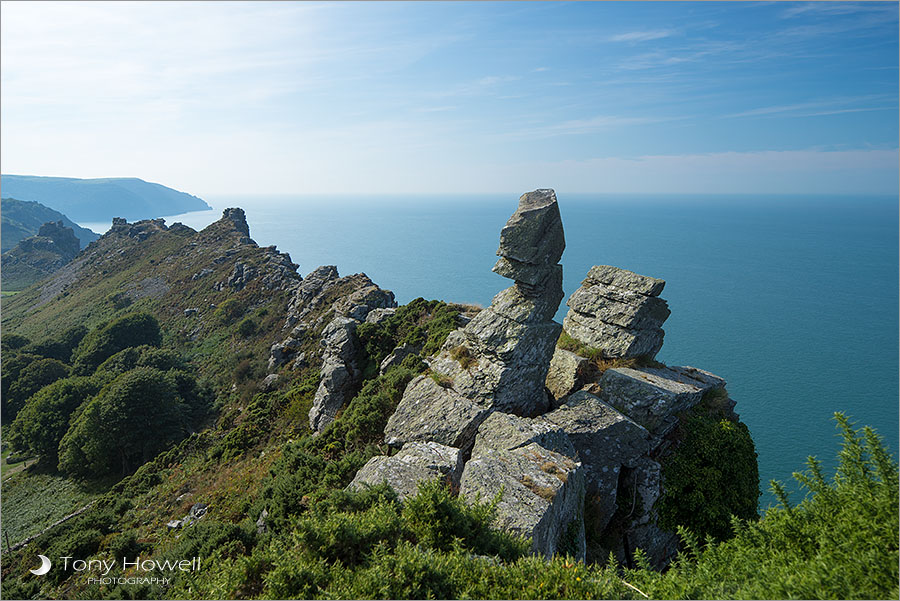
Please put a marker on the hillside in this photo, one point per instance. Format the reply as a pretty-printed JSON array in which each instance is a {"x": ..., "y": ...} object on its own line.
[
  {"x": 194, "y": 397},
  {"x": 101, "y": 199},
  {"x": 22, "y": 218},
  {"x": 36, "y": 257}
]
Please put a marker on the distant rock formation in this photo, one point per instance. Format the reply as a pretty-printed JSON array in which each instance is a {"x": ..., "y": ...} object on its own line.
[
  {"x": 36, "y": 257},
  {"x": 21, "y": 219},
  {"x": 618, "y": 312}
]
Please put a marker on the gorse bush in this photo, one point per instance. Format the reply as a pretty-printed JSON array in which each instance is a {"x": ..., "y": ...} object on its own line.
[
  {"x": 840, "y": 542},
  {"x": 420, "y": 323}
]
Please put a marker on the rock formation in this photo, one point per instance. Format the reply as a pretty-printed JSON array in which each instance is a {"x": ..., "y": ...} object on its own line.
[
  {"x": 618, "y": 312},
  {"x": 38, "y": 256},
  {"x": 599, "y": 447},
  {"x": 499, "y": 360},
  {"x": 348, "y": 301},
  {"x": 542, "y": 486}
]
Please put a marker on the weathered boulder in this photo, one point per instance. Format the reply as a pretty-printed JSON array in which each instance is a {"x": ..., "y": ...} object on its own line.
[
  {"x": 505, "y": 432},
  {"x": 532, "y": 241},
  {"x": 568, "y": 373},
  {"x": 618, "y": 312},
  {"x": 377, "y": 316},
  {"x": 498, "y": 361},
  {"x": 429, "y": 411},
  {"x": 542, "y": 495},
  {"x": 652, "y": 396},
  {"x": 416, "y": 462},
  {"x": 605, "y": 442},
  {"x": 339, "y": 373}
]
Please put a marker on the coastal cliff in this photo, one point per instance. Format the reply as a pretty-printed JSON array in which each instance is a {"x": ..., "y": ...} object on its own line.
[{"x": 321, "y": 440}]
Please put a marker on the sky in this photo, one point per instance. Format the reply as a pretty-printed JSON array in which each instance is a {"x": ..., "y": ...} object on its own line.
[{"x": 453, "y": 98}]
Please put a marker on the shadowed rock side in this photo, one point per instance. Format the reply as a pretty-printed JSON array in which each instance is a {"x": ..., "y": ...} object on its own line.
[{"x": 499, "y": 360}]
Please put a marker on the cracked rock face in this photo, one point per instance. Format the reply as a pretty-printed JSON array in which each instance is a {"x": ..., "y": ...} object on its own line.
[
  {"x": 499, "y": 360},
  {"x": 339, "y": 372},
  {"x": 618, "y": 312},
  {"x": 605, "y": 441},
  {"x": 542, "y": 489}
]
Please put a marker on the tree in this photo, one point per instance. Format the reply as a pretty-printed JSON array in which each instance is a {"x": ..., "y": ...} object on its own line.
[
  {"x": 132, "y": 419},
  {"x": 103, "y": 342},
  {"x": 32, "y": 378},
  {"x": 13, "y": 364},
  {"x": 41, "y": 424}
]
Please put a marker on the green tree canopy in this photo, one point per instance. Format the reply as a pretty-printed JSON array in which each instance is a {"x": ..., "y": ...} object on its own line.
[
  {"x": 103, "y": 342},
  {"x": 32, "y": 378},
  {"x": 41, "y": 424},
  {"x": 132, "y": 419}
]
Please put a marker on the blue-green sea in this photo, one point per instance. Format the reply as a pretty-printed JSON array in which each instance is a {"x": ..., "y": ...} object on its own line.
[{"x": 793, "y": 300}]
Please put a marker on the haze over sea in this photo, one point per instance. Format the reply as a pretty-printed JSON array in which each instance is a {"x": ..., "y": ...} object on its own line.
[{"x": 793, "y": 300}]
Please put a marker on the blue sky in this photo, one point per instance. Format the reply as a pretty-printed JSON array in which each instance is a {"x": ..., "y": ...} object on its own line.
[{"x": 692, "y": 97}]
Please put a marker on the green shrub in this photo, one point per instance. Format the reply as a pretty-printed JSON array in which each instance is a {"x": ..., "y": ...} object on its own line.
[
  {"x": 712, "y": 476},
  {"x": 247, "y": 327},
  {"x": 128, "y": 423},
  {"x": 229, "y": 310}
]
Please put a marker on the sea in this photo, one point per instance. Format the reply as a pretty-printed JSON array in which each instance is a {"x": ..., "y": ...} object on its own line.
[{"x": 792, "y": 299}]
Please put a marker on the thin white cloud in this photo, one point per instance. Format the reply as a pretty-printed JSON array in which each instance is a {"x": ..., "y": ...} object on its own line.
[
  {"x": 815, "y": 108},
  {"x": 641, "y": 36}
]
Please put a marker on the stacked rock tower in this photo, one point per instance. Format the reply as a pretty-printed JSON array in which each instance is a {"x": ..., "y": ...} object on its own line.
[{"x": 499, "y": 361}]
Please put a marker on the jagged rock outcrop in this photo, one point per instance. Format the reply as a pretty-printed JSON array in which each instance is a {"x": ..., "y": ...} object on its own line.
[
  {"x": 321, "y": 294},
  {"x": 542, "y": 485},
  {"x": 653, "y": 396},
  {"x": 339, "y": 374},
  {"x": 416, "y": 462},
  {"x": 618, "y": 312},
  {"x": 499, "y": 360}
]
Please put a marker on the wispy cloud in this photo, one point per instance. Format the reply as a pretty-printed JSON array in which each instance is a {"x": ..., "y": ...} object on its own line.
[
  {"x": 641, "y": 36},
  {"x": 574, "y": 127},
  {"x": 827, "y": 8},
  {"x": 832, "y": 106}
]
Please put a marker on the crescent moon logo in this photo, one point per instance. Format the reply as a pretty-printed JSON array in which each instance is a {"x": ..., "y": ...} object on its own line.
[{"x": 45, "y": 566}]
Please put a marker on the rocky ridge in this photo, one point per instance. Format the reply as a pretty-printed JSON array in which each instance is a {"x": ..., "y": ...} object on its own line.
[{"x": 595, "y": 443}]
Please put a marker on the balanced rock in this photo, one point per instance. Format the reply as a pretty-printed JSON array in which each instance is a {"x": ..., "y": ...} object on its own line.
[
  {"x": 499, "y": 360},
  {"x": 542, "y": 489},
  {"x": 652, "y": 396},
  {"x": 618, "y": 312},
  {"x": 416, "y": 462}
]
